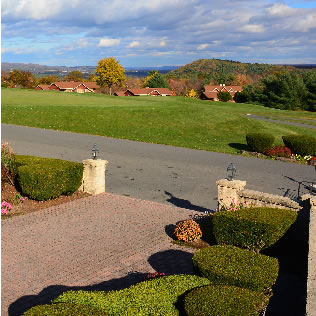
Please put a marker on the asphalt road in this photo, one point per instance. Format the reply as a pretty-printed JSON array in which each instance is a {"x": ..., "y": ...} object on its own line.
[{"x": 180, "y": 176}]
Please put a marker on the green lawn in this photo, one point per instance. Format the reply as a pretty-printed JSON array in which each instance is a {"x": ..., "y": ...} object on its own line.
[{"x": 178, "y": 121}]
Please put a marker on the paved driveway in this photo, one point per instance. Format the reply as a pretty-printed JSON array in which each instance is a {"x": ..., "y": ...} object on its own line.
[
  {"x": 166, "y": 174},
  {"x": 101, "y": 242}
]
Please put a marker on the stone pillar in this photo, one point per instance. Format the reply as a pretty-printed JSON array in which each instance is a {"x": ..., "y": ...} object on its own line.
[
  {"x": 228, "y": 192},
  {"x": 93, "y": 180}
]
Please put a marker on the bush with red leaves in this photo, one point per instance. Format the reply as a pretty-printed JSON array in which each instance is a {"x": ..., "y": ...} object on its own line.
[{"x": 278, "y": 151}]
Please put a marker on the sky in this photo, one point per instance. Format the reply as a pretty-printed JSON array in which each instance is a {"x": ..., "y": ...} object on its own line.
[{"x": 157, "y": 32}]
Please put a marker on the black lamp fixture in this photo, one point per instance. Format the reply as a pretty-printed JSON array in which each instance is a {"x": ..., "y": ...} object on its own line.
[
  {"x": 95, "y": 151},
  {"x": 231, "y": 169}
]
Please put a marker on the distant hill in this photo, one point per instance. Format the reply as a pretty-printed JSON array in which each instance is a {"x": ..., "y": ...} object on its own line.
[
  {"x": 61, "y": 71},
  {"x": 225, "y": 70}
]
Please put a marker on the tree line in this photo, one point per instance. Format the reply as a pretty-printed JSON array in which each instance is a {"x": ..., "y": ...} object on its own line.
[{"x": 284, "y": 91}]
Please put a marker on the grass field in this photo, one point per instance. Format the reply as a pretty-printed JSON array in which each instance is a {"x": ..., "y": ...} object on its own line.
[{"x": 178, "y": 121}]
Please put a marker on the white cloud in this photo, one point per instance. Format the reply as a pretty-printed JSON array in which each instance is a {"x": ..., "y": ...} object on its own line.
[
  {"x": 253, "y": 28},
  {"x": 203, "y": 46},
  {"x": 109, "y": 42},
  {"x": 133, "y": 44},
  {"x": 34, "y": 9},
  {"x": 162, "y": 43},
  {"x": 281, "y": 10},
  {"x": 307, "y": 23}
]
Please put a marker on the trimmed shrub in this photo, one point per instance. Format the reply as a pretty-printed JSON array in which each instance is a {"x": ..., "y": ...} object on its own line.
[
  {"x": 301, "y": 144},
  {"x": 224, "y": 301},
  {"x": 229, "y": 265},
  {"x": 278, "y": 151},
  {"x": 188, "y": 230},
  {"x": 224, "y": 96},
  {"x": 252, "y": 228},
  {"x": 241, "y": 97},
  {"x": 43, "y": 178},
  {"x": 152, "y": 297},
  {"x": 63, "y": 309},
  {"x": 259, "y": 142}
]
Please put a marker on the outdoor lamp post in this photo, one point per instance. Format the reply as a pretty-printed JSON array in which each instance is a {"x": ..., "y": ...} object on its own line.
[
  {"x": 95, "y": 151},
  {"x": 231, "y": 169}
]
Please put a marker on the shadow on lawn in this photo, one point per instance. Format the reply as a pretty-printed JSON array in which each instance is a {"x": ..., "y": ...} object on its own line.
[
  {"x": 168, "y": 262},
  {"x": 239, "y": 146}
]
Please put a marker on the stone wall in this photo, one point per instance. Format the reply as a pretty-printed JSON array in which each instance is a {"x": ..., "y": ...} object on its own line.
[{"x": 234, "y": 192}]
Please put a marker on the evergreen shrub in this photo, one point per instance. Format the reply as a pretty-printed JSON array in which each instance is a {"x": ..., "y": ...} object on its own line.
[
  {"x": 64, "y": 309},
  {"x": 157, "y": 296},
  {"x": 224, "y": 300},
  {"x": 230, "y": 265},
  {"x": 259, "y": 142},
  {"x": 252, "y": 228},
  {"x": 301, "y": 144},
  {"x": 45, "y": 178}
]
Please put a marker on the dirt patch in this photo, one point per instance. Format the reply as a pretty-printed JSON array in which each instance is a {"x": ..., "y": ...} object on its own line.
[{"x": 10, "y": 194}]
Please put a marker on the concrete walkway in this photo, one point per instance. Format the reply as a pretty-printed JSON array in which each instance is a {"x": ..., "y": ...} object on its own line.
[{"x": 100, "y": 242}]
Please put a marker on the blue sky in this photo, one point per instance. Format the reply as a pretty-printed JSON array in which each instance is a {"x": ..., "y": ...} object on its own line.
[{"x": 157, "y": 32}]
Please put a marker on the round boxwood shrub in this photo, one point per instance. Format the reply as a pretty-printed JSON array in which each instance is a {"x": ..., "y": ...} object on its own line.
[
  {"x": 230, "y": 265},
  {"x": 45, "y": 178},
  {"x": 259, "y": 142},
  {"x": 63, "y": 309},
  {"x": 252, "y": 228},
  {"x": 301, "y": 144},
  {"x": 157, "y": 296},
  {"x": 224, "y": 300},
  {"x": 188, "y": 230}
]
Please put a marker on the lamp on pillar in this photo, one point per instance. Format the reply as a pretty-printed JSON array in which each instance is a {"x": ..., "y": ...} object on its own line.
[
  {"x": 231, "y": 169},
  {"x": 95, "y": 151}
]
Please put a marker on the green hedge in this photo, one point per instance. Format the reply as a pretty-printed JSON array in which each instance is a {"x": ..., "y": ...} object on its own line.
[
  {"x": 45, "y": 178},
  {"x": 224, "y": 300},
  {"x": 229, "y": 265},
  {"x": 151, "y": 297},
  {"x": 252, "y": 228},
  {"x": 301, "y": 144},
  {"x": 259, "y": 142},
  {"x": 64, "y": 309}
]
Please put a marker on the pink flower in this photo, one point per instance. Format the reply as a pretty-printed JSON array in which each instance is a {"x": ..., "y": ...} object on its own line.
[{"x": 5, "y": 207}]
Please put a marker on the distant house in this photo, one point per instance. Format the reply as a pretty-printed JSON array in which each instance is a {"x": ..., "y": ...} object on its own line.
[
  {"x": 42, "y": 87},
  {"x": 210, "y": 91},
  {"x": 72, "y": 86},
  {"x": 145, "y": 92}
]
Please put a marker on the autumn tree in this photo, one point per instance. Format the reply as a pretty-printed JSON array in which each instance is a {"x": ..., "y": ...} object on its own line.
[
  {"x": 75, "y": 75},
  {"x": 109, "y": 72},
  {"x": 48, "y": 79},
  {"x": 22, "y": 79},
  {"x": 91, "y": 78}
]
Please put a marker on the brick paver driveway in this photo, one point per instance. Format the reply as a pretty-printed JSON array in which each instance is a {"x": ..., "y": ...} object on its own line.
[{"x": 99, "y": 242}]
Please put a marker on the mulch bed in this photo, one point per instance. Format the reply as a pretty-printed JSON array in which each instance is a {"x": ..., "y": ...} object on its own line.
[{"x": 9, "y": 194}]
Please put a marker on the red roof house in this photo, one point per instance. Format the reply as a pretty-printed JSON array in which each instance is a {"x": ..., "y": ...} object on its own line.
[
  {"x": 42, "y": 87},
  {"x": 145, "y": 92},
  {"x": 72, "y": 86},
  {"x": 210, "y": 91}
]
